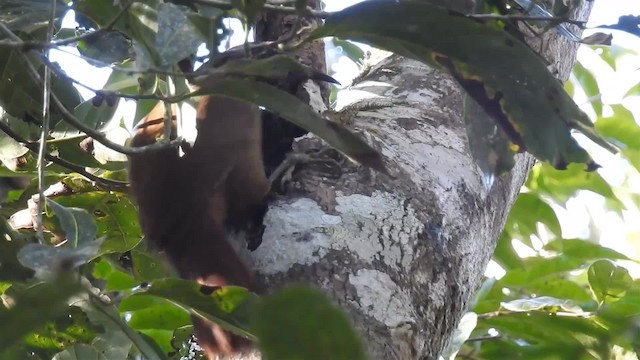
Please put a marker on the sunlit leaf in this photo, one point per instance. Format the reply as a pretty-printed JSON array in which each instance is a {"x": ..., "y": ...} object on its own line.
[
  {"x": 165, "y": 316},
  {"x": 34, "y": 307},
  {"x": 77, "y": 224},
  {"x": 548, "y": 337},
  {"x": 21, "y": 96},
  {"x": 229, "y": 307},
  {"x": 608, "y": 281},
  {"x": 529, "y": 210},
  {"x": 117, "y": 337},
  {"x": 537, "y": 268},
  {"x": 504, "y": 254},
  {"x": 590, "y": 86},
  {"x": 90, "y": 114},
  {"x": 546, "y": 303},
  {"x": 115, "y": 279},
  {"x": 349, "y": 49},
  {"x": 140, "y": 24},
  {"x": 583, "y": 250},
  {"x": 148, "y": 265},
  {"x": 562, "y": 185}
]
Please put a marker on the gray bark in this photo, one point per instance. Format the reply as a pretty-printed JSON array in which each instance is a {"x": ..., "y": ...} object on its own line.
[{"x": 403, "y": 254}]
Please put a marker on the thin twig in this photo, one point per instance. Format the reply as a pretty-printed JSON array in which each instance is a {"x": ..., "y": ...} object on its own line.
[
  {"x": 46, "y": 115},
  {"x": 579, "y": 23},
  {"x": 226, "y": 5},
  {"x": 33, "y": 147},
  {"x": 69, "y": 118},
  {"x": 499, "y": 313}
]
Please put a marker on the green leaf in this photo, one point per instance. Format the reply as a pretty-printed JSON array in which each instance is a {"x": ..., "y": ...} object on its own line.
[
  {"x": 562, "y": 185},
  {"x": 28, "y": 130},
  {"x": 162, "y": 316},
  {"x": 627, "y": 307},
  {"x": 140, "y": 24},
  {"x": 70, "y": 150},
  {"x": 559, "y": 288},
  {"x": 538, "y": 268},
  {"x": 71, "y": 327},
  {"x": 10, "y": 150},
  {"x": 96, "y": 117},
  {"x": 276, "y": 69},
  {"x": 140, "y": 302},
  {"x": 608, "y": 281},
  {"x": 583, "y": 250},
  {"x": 115, "y": 216},
  {"x": 250, "y": 8},
  {"x": 229, "y": 307},
  {"x": 115, "y": 280},
  {"x": 499, "y": 72},
  {"x": 47, "y": 258},
  {"x": 116, "y": 339},
  {"x": 621, "y": 316},
  {"x": 148, "y": 265},
  {"x": 505, "y": 255},
  {"x": 21, "y": 96},
  {"x": 293, "y": 110},
  {"x": 590, "y": 86},
  {"x": 350, "y": 50},
  {"x": 177, "y": 36},
  {"x": 180, "y": 340},
  {"x": 309, "y": 327},
  {"x": 80, "y": 352},
  {"x": 77, "y": 224},
  {"x": 633, "y": 91},
  {"x": 10, "y": 244},
  {"x": 106, "y": 47},
  {"x": 34, "y": 307},
  {"x": 621, "y": 126},
  {"x": 27, "y": 15},
  {"x": 484, "y": 291},
  {"x": 543, "y": 336},
  {"x": 132, "y": 82},
  {"x": 545, "y": 303}
]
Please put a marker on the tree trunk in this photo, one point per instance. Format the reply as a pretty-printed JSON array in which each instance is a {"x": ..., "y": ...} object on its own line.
[{"x": 403, "y": 254}]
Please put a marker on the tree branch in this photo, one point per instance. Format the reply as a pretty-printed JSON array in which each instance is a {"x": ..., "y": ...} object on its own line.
[
  {"x": 31, "y": 45},
  {"x": 69, "y": 118},
  {"x": 33, "y": 147},
  {"x": 226, "y": 5}
]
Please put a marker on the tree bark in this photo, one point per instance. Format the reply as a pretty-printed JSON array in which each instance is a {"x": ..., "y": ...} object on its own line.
[{"x": 403, "y": 254}]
